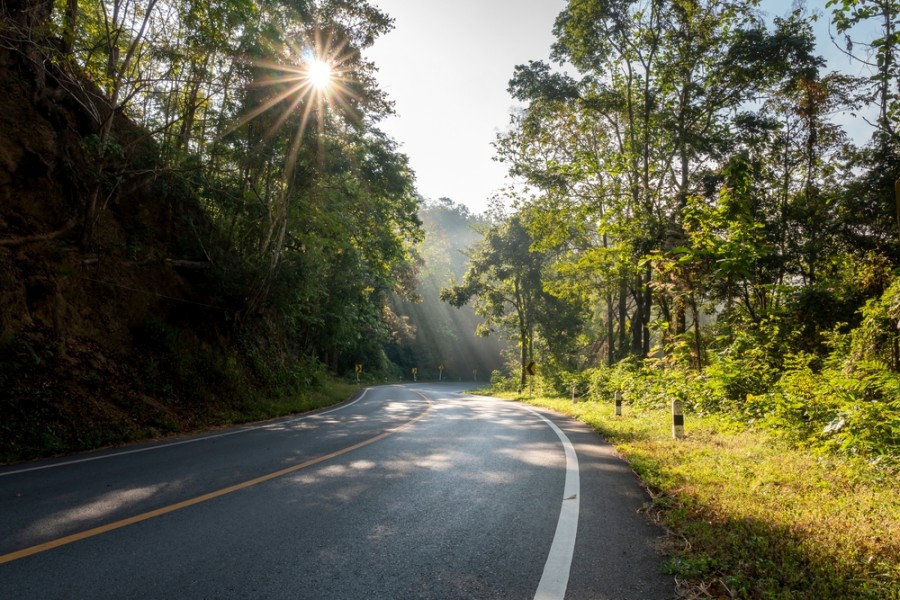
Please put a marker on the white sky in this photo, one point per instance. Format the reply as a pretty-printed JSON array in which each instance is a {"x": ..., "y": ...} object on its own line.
[{"x": 446, "y": 65}]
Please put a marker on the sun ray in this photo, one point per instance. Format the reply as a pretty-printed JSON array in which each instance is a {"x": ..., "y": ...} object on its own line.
[
  {"x": 318, "y": 82},
  {"x": 267, "y": 105}
]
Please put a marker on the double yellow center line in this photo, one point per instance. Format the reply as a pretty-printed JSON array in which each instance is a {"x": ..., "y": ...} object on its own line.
[{"x": 37, "y": 549}]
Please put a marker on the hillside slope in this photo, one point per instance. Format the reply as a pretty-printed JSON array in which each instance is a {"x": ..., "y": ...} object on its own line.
[{"x": 93, "y": 342}]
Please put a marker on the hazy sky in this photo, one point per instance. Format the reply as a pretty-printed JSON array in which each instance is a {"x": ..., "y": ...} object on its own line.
[{"x": 446, "y": 65}]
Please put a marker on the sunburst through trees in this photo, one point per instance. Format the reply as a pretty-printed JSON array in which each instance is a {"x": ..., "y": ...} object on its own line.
[{"x": 319, "y": 78}]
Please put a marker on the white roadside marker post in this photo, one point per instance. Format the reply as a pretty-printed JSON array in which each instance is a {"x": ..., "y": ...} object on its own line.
[{"x": 677, "y": 419}]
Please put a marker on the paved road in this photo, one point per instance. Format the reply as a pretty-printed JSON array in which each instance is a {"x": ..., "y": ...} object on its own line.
[{"x": 415, "y": 491}]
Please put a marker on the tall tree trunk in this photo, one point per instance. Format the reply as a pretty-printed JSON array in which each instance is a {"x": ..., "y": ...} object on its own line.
[
  {"x": 623, "y": 314},
  {"x": 680, "y": 316},
  {"x": 523, "y": 333},
  {"x": 698, "y": 341},
  {"x": 637, "y": 320},
  {"x": 648, "y": 306},
  {"x": 523, "y": 342},
  {"x": 610, "y": 330}
]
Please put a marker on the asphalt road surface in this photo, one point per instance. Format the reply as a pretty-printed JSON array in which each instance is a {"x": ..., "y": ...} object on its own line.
[{"x": 413, "y": 491}]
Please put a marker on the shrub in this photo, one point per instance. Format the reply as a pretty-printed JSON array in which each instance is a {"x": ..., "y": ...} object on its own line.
[
  {"x": 502, "y": 382},
  {"x": 878, "y": 336},
  {"x": 855, "y": 412}
]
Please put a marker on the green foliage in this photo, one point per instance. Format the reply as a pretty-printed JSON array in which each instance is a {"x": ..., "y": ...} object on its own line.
[
  {"x": 749, "y": 363},
  {"x": 643, "y": 384},
  {"x": 555, "y": 379},
  {"x": 855, "y": 412},
  {"x": 503, "y": 382},
  {"x": 749, "y": 253},
  {"x": 879, "y": 333},
  {"x": 309, "y": 211}
]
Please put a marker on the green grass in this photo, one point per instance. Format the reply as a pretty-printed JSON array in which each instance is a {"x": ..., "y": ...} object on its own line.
[
  {"x": 331, "y": 392},
  {"x": 750, "y": 517},
  {"x": 57, "y": 432}
]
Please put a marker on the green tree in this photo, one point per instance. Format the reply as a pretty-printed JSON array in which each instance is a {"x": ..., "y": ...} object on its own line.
[
  {"x": 309, "y": 214},
  {"x": 504, "y": 279},
  {"x": 653, "y": 127},
  {"x": 871, "y": 209},
  {"x": 881, "y": 54}
]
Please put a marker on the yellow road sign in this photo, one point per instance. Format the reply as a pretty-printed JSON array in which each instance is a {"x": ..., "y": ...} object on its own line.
[
  {"x": 358, "y": 368},
  {"x": 531, "y": 368}
]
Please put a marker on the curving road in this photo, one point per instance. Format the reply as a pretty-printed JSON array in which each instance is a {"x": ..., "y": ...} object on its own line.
[{"x": 414, "y": 491}]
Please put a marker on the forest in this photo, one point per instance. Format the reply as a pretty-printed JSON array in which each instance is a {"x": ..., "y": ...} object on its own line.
[
  {"x": 201, "y": 223},
  {"x": 193, "y": 219},
  {"x": 694, "y": 218},
  {"x": 699, "y": 223},
  {"x": 200, "y": 216}
]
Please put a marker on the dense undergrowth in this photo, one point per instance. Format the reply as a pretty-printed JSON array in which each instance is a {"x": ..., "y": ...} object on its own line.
[
  {"x": 830, "y": 410},
  {"x": 844, "y": 400},
  {"x": 60, "y": 399}
]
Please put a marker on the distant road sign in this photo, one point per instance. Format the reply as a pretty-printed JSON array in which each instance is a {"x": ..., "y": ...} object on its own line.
[
  {"x": 531, "y": 368},
  {"x": 414, "y": 370},
  {"x": 358, "y": 368}
]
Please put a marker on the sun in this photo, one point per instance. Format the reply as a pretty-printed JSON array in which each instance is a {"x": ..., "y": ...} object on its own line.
[
  {"x": 317, "y": 83},
  {"x": 318, "y": 73}
]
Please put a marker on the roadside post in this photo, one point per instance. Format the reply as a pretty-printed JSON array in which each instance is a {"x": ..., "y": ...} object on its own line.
[
  {"x": 618, "y": 403},
  {"x": 574, "y": 388},
  {"x": 414, "y": 371},
  {"x": 440, "y": 372},
  {"x": 677, "y": 419},
  {"x": 358, "y": 369}
]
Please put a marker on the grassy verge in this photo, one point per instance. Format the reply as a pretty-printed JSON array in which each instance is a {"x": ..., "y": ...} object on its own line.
[
  {"x": 62, "y": 429},
  {"x": 331, "y": 392},
  {"x": 750, "y": 517}
]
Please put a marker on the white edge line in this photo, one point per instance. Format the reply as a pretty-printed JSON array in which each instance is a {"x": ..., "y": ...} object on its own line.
[
  {"x": 181, "y": 442},
  {"x": 555, "y": 578}
]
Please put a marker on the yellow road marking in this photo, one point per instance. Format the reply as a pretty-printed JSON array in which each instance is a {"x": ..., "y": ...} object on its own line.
[{"x": 75, "y": 537}]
